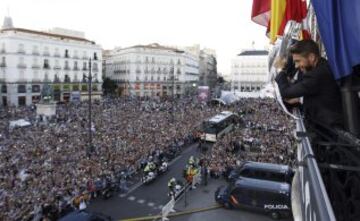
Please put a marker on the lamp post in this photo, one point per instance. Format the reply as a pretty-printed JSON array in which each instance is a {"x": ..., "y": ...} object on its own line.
[
  {"x": 90, "y": 145},
  {"x": 173, "y": 92}
]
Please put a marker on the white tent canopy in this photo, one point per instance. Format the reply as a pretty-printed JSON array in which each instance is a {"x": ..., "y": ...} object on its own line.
[{"x": 19, "y": 123}]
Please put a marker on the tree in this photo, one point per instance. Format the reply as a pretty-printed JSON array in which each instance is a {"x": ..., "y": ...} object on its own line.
[{"x": 109, "y": 86}]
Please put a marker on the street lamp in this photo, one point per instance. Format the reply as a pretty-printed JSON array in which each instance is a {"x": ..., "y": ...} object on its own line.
[
  {"x": 89, "y": 77},
  {"x": 173, "y": 92}
]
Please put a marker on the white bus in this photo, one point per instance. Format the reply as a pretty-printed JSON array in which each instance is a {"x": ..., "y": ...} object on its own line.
[{"x": 218, "y": 126}]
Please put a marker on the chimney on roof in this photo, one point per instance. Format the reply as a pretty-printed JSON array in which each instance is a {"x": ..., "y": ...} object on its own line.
[{"x": 7, "y": 23}]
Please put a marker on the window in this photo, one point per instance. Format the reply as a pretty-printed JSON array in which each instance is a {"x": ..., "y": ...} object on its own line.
[
  {"x": 21, "y": 49},
  {"x": 75, "y": 66},
  {"x": 36, "y": 88},
  {"x": 95, "y": 66},
  {"x": 76, "y": 54},
  {"x": 21, "y": 88},
  {"x": 22, "y": 100},
  {"x": 67, "y": 67},
  {"x": 35, "y": 50},
  {"x": 57, "y": 54},
  {"x": 3, "y": 89},
  {"x": 3, "y": 48},
  {"x": 3, "y": 62},
  {"x": 84, "y": 66},
  {"x": 46, "y": 51},
  {"x": 66, "y": 53},
  {"x": 46, "y": 64},
  {"x": 95, "y": 56},
  {"x": 67, "y": 78}
]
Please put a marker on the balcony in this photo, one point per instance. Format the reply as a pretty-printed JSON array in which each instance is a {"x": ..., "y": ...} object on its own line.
[
  {"x": 35, "y": 53},
  {"x": 57, "y": 55},
  {"x": 67, "y": 68},
  {"x": 57, "y": 67},
  {"x": 56, "y": 79},
  {"x": 35, "y": 66},
  {"x": 21, "y": 51},
  {"x": 76, "y": 57},
  {"x": 85, "y": 58},
  {"x": 46, "y": 53},
  {"x": 46, "y": 66},
  {"x": 84, "y": 69},
  {"x": 2, "y": 65},
  {"x": 76, "y": 69},
  {"x": 2, "y": 51},
  {"x": 21, "y": 66}
]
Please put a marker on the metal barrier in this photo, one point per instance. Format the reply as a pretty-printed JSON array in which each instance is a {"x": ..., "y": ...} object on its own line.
[{"x": 169, "y": 207}]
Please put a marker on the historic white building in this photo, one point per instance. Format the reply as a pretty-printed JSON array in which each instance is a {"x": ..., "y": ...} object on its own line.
[
  {"x": 58, "y": 57},
  {"x": 249, "y": 71},
  {"x": 152, "y": 70}
]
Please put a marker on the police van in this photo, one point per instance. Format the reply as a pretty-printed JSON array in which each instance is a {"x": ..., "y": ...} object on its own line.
[
  {"x": 266, "y": 196},
  {"x": 266, "y": 171}
]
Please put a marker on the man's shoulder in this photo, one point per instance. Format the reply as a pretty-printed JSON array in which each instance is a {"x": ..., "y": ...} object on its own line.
[
  {"x": 321, "y": 69},
  {"x": 323, "y": 65}
]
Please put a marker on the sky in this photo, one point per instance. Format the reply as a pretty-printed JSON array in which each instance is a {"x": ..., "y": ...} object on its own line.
[{"x": 223, "y": 25}]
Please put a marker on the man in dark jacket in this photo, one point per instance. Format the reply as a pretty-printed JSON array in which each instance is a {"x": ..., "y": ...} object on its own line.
[{"x": 320, "y": 92}]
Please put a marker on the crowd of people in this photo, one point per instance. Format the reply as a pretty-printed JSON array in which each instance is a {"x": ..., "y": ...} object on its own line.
[
  {"x": 265, "y": 134},
  {"x": 46, "y": 167},
  {"x": 49, "y": 166}
]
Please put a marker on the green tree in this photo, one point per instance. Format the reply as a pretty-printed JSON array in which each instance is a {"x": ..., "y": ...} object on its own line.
[{"x": 109, "y": 86}]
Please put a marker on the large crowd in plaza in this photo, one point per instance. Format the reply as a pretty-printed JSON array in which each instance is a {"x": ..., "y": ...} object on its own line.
[
  {"x": 45, "y": 166},
  {"x": 263, "y": 135}
]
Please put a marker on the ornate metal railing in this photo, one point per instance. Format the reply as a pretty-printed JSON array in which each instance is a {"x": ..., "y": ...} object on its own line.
[{"x": 329, "y": 167}]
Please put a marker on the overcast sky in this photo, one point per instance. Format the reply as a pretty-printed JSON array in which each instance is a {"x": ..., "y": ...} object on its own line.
[{"x": 223, "y": 25}]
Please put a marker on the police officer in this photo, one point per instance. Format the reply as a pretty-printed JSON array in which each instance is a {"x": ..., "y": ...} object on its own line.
[{"x": 172, "y": 186}]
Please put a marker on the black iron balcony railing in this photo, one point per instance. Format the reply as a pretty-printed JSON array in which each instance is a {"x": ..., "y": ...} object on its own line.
[
  {"x": 21, "y": 66},
  {"x": 35, "y": 66},
  {"x": 329, "y": 172},
  {"x": 21, "y": 51}
]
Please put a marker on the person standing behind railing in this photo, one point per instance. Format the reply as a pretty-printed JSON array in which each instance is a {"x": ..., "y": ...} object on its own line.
[{"x": 320, "y": 92}]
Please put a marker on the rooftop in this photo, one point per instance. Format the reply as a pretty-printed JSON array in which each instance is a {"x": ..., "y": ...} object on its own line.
[{"x": 253, "y": 52}]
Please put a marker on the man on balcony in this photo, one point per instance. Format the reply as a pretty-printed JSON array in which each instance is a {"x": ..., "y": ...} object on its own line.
[{"x": 320, "y": 92}]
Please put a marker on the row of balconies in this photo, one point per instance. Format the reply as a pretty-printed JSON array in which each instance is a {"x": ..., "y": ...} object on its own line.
[
  {"x": 146, "y": 63},
  {"x": 56, "y": 67},
  {"x": 47, "y": 54}
]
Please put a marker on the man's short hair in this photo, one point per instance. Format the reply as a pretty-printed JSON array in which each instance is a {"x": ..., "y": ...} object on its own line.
[{"x": 305, "y": 47}]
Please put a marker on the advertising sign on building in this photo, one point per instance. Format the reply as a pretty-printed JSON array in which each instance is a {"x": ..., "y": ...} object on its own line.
[{"x": 203, "y": 93}]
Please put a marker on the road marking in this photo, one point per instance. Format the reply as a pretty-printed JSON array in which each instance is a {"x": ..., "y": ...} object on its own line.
[
  {"x": 122, "y": 195},
  {"x": 141, "y": 201},
  {"x": 131, "y": 198}
]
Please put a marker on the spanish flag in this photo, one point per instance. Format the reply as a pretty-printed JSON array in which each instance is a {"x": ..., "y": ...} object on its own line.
[
  {"x": 274, "y": 14},
  {"x": 277, "y": 15}
]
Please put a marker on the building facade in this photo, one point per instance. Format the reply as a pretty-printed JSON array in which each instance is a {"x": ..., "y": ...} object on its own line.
[
  {"x": 207, "y": 65},
  {"x": 59, "y": 58},
  {"x": 249, "y": 71},
  {"x": 152, "y": 70}
]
